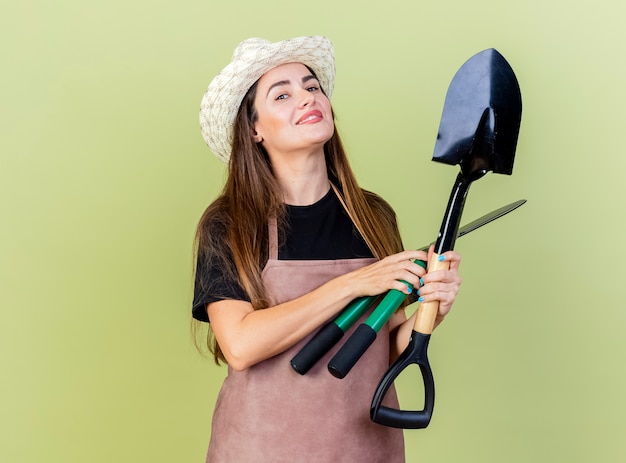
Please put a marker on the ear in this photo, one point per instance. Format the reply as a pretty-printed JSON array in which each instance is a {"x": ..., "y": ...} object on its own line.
[{"x": 256, "y": 137}]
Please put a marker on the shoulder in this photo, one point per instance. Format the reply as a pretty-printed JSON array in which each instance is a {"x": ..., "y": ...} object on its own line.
[
  {"x": 214, "y": 223},
  {"x": 211, "y": 240},
  {"x": 212, "y": 252}
]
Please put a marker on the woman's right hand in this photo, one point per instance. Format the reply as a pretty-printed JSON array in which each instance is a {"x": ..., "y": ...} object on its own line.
[{"x": 386, "y": 274}]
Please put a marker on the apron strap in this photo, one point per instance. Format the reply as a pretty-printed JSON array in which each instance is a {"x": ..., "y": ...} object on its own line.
[
  {"x": 343, "y": 203},
  {"x": 273, "y": 238}
]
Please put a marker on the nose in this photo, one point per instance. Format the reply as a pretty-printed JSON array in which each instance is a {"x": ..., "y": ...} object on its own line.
[{"x": 307, "y": 98}]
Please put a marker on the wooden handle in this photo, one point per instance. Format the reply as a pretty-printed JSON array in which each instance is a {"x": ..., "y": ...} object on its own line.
[{"x": 427, "y": 311}]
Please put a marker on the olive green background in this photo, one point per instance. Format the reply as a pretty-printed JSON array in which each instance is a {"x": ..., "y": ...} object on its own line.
[{"x": 104, "y": 174}]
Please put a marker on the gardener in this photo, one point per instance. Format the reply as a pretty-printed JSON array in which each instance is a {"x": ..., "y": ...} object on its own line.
[{"x": 290, "y": 241}]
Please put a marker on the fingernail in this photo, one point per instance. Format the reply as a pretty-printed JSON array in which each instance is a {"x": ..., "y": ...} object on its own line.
[
  {"x": 421, "y": 299},
  {"x": 421, "y": 282},
  {"x": 441, "y": 258},
  {"x": 417, "y": 292},
  {"x": 409, "y": 289}
]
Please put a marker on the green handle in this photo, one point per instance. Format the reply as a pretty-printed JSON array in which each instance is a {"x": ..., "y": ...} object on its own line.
[
  {"x": 353, "y": 312},
  {"x": 389, "y": 304}
]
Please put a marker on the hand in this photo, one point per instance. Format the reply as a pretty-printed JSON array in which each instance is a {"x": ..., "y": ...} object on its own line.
[
  {"x": 442, "y": 285},
  {"x": 386, "y": 274}
]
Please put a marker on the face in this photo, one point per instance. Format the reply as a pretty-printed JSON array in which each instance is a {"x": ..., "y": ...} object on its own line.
[{"x": 293, "y": 114}]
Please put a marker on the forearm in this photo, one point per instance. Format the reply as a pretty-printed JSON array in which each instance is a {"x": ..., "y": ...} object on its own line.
[{"x": 248, "y": 336}]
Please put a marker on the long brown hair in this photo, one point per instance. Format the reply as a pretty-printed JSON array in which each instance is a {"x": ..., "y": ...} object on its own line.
[{"x": 252, "y": 194}]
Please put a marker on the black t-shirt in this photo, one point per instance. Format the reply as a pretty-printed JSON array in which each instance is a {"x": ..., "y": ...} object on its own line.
[{"x": 320, "y": 231}]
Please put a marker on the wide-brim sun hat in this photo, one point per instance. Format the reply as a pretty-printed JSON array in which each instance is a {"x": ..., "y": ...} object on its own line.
[{"x": 253, "y": 58}]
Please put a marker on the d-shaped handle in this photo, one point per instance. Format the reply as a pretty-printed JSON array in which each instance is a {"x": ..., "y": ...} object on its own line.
[{"x": 415, "y": 353}]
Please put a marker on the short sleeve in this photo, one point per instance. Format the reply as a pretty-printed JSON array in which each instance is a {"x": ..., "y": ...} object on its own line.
[{"x": 215, "y": 280}]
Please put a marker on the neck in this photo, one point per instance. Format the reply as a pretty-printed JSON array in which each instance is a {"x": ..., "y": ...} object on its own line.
[{"x": 304, "y": 180}]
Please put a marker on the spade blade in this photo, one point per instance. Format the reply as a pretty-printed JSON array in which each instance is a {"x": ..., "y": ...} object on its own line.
[{"x": 481, "y": 115}]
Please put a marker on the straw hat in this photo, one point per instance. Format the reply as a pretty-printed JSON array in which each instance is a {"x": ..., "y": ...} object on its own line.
[{"x": 253, "y": 58}]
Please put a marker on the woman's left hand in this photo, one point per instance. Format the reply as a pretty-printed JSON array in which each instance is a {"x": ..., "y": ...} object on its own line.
[{"x": 442, "y": 285}]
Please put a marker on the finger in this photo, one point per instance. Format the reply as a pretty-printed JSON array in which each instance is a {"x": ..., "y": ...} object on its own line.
[
  {"x": 406, "y": 265},
  {"x": 441, "y": 276},
  {"x": 431, "y": 250},
  {"x": 454, "y": 258},
  {"x": 445, "y": 298},
  {"x": 411, "y": 254},
  {"x": 417, "y": 269},
  {"x": 409, "y": 277},
  {"x": 449, "y": 288}
]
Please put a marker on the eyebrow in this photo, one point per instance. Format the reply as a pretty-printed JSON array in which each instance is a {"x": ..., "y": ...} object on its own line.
[{"x": 287, "y": 82}]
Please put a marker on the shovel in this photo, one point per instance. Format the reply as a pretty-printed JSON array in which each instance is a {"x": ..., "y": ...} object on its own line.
[{"x": 478, "y": 130}]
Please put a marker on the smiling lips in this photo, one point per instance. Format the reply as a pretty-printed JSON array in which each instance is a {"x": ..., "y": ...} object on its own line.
[{"x": 310, "y": 117}]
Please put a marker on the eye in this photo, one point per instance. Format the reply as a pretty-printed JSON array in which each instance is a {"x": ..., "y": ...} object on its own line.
[
  {"x": 313, "y": 88},
  {"x": 282, "y": 96}
]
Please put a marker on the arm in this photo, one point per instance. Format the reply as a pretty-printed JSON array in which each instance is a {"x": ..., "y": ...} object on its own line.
[{"x": 248, "y": 336}]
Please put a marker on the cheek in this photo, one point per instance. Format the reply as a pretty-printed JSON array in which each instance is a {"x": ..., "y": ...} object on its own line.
[
  {"x": 269, "y": 122},
  {"x": 328, "y": 110}
]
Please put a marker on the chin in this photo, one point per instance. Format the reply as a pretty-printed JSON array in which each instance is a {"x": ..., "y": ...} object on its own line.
[{"x": 326, "y": 135}]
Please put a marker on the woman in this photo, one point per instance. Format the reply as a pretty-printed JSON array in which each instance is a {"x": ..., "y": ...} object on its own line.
[{"x": 291, "y": 240}]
